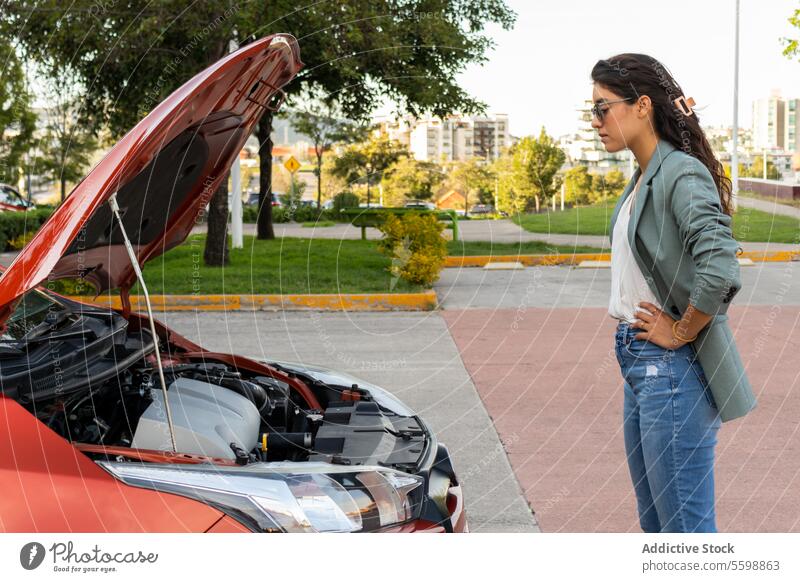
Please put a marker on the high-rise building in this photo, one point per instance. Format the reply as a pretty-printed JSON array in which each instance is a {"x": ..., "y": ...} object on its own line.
[
  {"x": 792, "y": 130},
  {"x": 769, "y": 122},
  {"x": 452, "y": 138},
  {"x": 489, "y": 136}
]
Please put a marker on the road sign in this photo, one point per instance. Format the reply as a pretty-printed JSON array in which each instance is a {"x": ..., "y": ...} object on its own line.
[{"x": 291, "y": 164}]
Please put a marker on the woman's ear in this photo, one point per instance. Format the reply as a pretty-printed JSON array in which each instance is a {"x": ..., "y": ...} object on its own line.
[{"x": 644, "y": 106}]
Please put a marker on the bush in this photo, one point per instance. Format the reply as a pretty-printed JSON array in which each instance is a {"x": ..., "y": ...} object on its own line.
[
  {"x": 19, "y": 243},
  {"x": 250, "y": 214},
  {"x": 71, "y": 286},
  {"x": 16, "y": 226},
  {"x": 344, "y": 200},
  {"x": 415, "y": 244},
  {"x": 304, "y": 213},
  {"x": 286, "y": 214}
]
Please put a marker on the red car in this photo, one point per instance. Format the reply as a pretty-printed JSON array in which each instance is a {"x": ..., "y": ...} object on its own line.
[{"x": 111, "y": 422}]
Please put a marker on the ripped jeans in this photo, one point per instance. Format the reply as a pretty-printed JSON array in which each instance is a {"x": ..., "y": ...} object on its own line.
[{"x": 670, "y": 423}]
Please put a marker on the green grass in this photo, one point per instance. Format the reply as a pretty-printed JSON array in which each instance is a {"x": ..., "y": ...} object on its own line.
[
  {"x": 472, "y": 248},
  {"x": 578, "y": 220},
  {"x": 289, "y": 265},
  {"x": 299, "y": 265},
  {"x": 749, "y": 225}
]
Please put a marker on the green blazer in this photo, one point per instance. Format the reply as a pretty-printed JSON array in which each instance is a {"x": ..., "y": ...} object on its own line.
[{"x": 683, "y": 243}]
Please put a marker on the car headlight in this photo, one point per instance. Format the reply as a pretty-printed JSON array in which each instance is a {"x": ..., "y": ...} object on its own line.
[{"x": 290, "y": 497}]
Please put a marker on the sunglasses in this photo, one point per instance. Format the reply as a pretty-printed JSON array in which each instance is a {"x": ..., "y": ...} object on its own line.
[{"x": 600, "y": 113}]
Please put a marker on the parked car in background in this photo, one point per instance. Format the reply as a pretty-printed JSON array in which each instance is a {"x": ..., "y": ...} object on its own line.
[
  {"x": 421, "y": 204},
  {"x": 112, "y": 422},
  {"x": 252, "y": 199},
  {"x": 482, "y": 209},
  {"x": 11, "y": 200}
]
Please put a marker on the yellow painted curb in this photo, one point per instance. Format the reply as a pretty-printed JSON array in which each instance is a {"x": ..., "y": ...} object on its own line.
[
  {"x": 423, "y": 301},
  {"x": 575, "y": 259},
  {"x": 770, "y": 256},
  {"x": 527, "y": 260}
]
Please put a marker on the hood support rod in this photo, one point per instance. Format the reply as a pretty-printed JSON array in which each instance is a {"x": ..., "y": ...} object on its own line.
[{"x": 112, "y": 202}]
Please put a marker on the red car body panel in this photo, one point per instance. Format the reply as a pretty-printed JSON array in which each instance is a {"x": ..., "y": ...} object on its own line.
[{"x": 49, "y": 486}]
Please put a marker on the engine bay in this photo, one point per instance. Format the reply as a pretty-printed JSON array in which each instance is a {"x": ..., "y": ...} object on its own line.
[{"x": 93, "y": 380}]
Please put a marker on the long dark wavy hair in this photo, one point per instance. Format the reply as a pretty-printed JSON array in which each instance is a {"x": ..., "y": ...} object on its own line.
[{"x": 631, "y": 75}]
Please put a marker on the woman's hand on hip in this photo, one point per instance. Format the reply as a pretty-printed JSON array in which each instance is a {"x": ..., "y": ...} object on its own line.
[{"x": 656, "y": 327}]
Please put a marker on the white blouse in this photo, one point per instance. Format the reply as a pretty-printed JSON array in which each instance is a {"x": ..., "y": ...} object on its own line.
[{"x": 628, "y": 285}]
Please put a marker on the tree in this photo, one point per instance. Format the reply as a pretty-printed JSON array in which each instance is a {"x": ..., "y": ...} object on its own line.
[
  {"x": 411, "y": 179},
  {"x": 367, "y": 161},
  {"x": 127, "y": 61},
  {"x": 319, "y": 125},
  {"x": 536, "y": 162},
  {"x": 472, "y": 177},
  {"x": 68, "y": 142},
  {"x": 17, "y": 120},
  {"x": 792, "y": 45},
  {"x": 606, "y": 186},
  {"x": 577, "y": 185},
  {"x": 509, "y": 198},
  {"x": 357, "y": 53},
  {"x": 756, "y": 169}
]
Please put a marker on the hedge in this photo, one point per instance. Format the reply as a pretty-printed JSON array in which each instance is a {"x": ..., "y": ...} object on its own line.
[{"x": 14, "y": 225}]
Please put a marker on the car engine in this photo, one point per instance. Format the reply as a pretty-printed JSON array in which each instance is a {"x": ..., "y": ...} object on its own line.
[{"x": 208, "y": 420}]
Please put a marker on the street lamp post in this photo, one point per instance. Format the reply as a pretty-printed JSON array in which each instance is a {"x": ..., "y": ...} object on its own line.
[{"x": 735, "y": 153}]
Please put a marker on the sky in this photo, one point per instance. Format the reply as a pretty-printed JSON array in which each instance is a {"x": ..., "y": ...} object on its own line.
[{"x": 538, "y": 73}]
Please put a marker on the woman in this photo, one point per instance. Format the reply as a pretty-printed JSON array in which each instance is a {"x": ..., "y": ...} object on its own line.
[{"x": 674, "y": 272}]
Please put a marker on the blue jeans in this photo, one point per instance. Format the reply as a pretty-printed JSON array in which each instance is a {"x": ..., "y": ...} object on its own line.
[{"x": 670, "y": 426}]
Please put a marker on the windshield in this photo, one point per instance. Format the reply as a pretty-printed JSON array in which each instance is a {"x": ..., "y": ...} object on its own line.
[
  {"x": 31, "y": 311},
  {"x": 8, "y": 196}
]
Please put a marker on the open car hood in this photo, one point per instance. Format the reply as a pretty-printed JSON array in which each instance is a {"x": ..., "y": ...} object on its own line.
[{"x": 164, "y": 172}]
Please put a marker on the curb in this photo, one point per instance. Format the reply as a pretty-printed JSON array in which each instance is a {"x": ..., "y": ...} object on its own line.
[
  {"x": 575, "y": 259},
  {"x": 423, "y": 301},
  {"x": 527, "y": 260}
]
